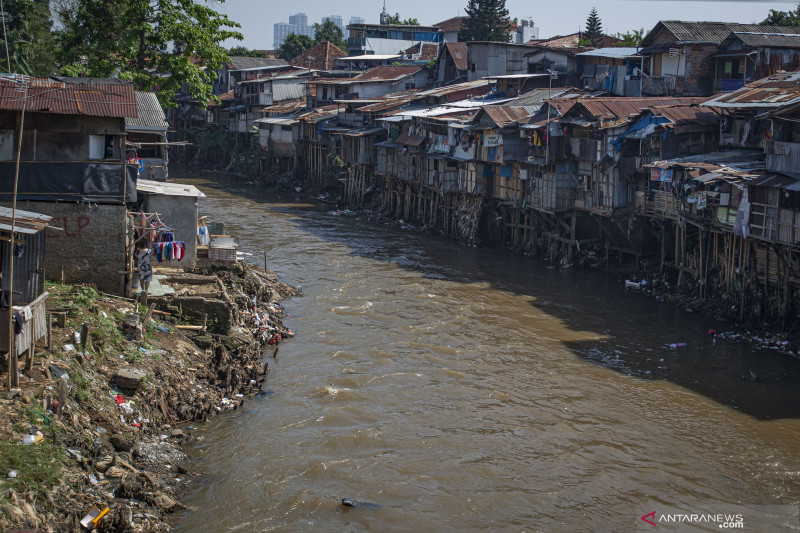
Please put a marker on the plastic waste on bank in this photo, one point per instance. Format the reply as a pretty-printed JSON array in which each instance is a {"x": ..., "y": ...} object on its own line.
[
  {"x": 92, "y": 519},
  {"x": 677, "y": 345}
]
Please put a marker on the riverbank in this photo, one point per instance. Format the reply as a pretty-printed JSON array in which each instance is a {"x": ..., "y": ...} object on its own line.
[{"x": 98, "y": 420}]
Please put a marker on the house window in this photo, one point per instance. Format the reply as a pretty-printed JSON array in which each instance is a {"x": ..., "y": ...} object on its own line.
[{"x": 101, "y": 147}]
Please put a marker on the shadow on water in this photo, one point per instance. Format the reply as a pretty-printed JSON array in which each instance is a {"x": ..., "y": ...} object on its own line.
[{"x": 633, "y": 332}]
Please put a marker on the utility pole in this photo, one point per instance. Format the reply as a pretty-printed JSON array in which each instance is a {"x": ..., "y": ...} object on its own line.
[{"x": 13, "y": 362}]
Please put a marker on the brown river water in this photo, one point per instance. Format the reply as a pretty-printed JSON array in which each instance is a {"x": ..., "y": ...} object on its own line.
[{"x": 469, "y": 389}]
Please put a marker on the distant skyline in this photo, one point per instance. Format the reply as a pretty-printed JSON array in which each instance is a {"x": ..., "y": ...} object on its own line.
[{"x": 557, "y": 18}]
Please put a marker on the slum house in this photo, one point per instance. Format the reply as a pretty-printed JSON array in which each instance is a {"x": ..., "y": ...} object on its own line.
[
  {"x": 256, "y": 94},
  {"x": 616, "y": 70},
  {"x": 763, "y": 115},
  {"x": 551, "y": 188},
  {"x": 708, "y": 226},
  {"x": 317, "y": 144},
  {"x": 679, "y": 55},
  {"x": 279, "y": 132},
  {"x": 373, "y": 83},
  {"x": 146, "y": 143},
  {"x": 176, "y": 206},
  {"x": 664, "y": 132},
  {"x": 22, "y": 238},
  {"x": 239, "y": 69},
  {"x": 497, "y": 59},
  {"x": 353, "y": 65},
  {"x": 452, "y": 63},
  {"x": 72, "y": 168},
  {"x": 746, "y": 56},
  {"x": 558, "y": 56}
]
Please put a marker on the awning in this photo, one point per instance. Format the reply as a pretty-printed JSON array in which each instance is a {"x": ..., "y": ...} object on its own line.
[
  {"x": 436, "y": 155},
  {"x": 740, "y": 53},
  {"x": 459, "y": 157},
  {"x": 777, "y": 181},
  {"x": 410, "y": 140},
  {"x": 386, "y": 144}
]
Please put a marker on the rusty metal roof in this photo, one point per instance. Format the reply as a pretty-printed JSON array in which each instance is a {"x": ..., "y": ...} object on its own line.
[
  {"x": 503, "y": 115},
  {"x": 319, "y": 57},
  {"x": 287, "y": 106},
  {"x": 66, "y": 96},
  {"x": 26, "y": 222},
  {"x": 387, "y": 73},
  {"x": 773, "y": 91},
  {"x": 692, "y": 114},
  {"x": 614, "y": 111}
]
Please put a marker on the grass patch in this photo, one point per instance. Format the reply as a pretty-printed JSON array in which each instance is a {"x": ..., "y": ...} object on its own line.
[
  {"x": 81, "y": 387},
  {"x": 38, "y": 467}
]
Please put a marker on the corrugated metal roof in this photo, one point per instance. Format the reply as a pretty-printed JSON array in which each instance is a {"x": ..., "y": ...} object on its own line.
[
  {"x": 286, "y": 106},
  {"x": 251, "y": 63},
  {"x": 283, "y": 121},
  {"x": 53, "y": 95},
  {"x": 614, "y": 52},
  {"x": 765, "y": 40},
  {"x": 710, "y": 32},
  {"x": 168, "y": 188},
  {"x": 777, "y": 181},
  {"x": 388, "y": 73},
  {"x": 774, "y": 91},
  {"x": 681, "y": 115},
  {"x": 373, "y": 57},
  {"x": 151, "y": 116},
  {"x": 503, "y": 115},
  {"x": 27, "y": 222},
  {"x": 619, "y": 108}
]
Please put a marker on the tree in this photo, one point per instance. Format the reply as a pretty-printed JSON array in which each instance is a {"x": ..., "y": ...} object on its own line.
[
  {"x": 629, "y": 39},
  {"x": 395, "y": 19},
  {"x": 783, "y": 18},
  {"x": 594, "y": 30},
  {"x": 293, "y": 46},
  {"x": 30, "y": 43},
  {"x": 329, "y": 31},
  {"x": 160, "y": 45},
  {"x": 486, "y": 20},
  {"x": 243, "y": 51}
]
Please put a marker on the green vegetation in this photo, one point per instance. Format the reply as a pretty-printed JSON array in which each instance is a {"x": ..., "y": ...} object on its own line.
[
  {"x": 38, "y": 468},
  {"x": 487, "y": 20},
  {"x": 293, "y": 46},
  {"x": 395, "y": 19},
  {"x": 783, "y": 18},
  {"x": 140, "y": 40},
  {"x": 329, "y": 31},
  {"x": 629, "y": 39},
  {"x": 593, "y": 35}
]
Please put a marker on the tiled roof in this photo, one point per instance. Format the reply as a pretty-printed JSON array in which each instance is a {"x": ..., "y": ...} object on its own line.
[
  {"x": 321, "y": 56},
  {"x": 452, "y": 24},
  {"x": 711, "y": 32},
  {"x": 151, "y": 115},
  {"x": 240, "y": 63},
  {"x": 460, "y": 54},
  {"x": 774, "y": 91},
  {"x": 428, "y": 53},
  {"x": 69, "y": 96}
]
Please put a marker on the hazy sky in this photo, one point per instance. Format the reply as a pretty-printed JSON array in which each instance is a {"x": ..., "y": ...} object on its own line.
[{"x": 553, "y": 17}]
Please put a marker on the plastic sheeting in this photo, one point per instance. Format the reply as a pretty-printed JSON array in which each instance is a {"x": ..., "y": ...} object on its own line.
[{"x": 98, "y": 182}]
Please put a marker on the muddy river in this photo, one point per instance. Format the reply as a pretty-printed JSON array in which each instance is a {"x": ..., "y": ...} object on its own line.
[{"x": 462, "y": 389}]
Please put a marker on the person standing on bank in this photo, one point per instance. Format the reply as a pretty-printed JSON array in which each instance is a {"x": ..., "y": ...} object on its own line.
[{"x": 143, "y": 254}]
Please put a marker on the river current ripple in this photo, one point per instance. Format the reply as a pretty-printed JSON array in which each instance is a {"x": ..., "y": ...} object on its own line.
[{"x": 474, "y": 389}]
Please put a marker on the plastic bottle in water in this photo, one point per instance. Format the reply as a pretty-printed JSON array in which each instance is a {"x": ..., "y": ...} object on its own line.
[{"x": 678, "y": 345}]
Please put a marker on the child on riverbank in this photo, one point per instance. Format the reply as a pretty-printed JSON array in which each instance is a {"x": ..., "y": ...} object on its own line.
[{"x": 143, "y": 254}]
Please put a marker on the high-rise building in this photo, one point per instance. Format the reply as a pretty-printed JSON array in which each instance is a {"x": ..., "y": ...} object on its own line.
[
  {"x": 298, "y": 24},
  {"x": 356, "y": 20},
  {"x": 300, "y": 19},
  {"x": 336, "y": 20}
]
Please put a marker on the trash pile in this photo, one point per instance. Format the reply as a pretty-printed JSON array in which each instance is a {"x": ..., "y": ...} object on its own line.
[{"x": 108, "y": 414}]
